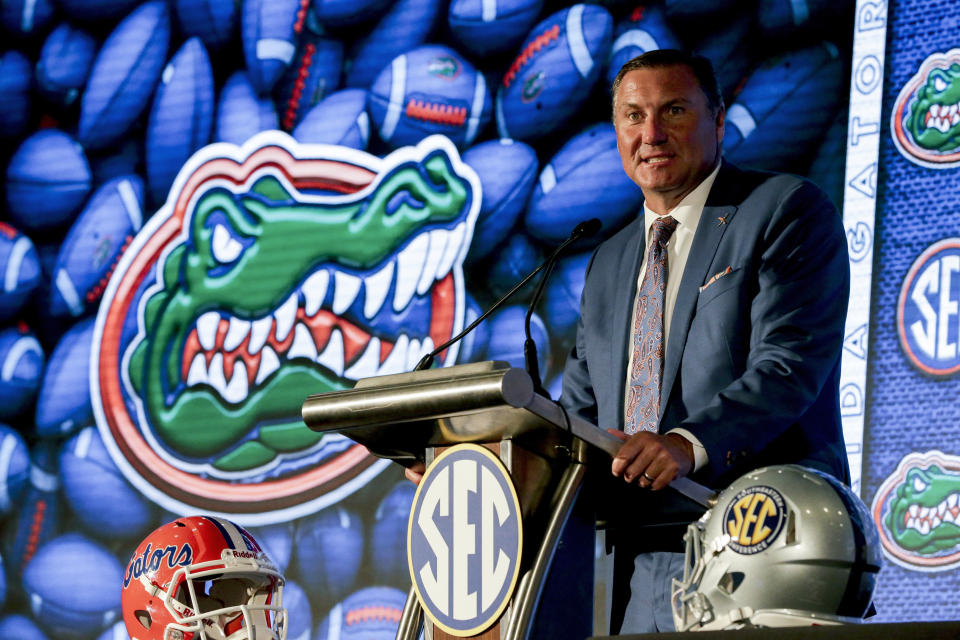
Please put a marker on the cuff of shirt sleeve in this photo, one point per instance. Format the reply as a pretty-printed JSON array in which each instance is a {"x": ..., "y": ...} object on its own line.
[{"x": 699, "y": 452}]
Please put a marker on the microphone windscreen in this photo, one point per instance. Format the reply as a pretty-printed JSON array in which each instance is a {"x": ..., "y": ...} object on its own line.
[{"x": 587, "y": 228}]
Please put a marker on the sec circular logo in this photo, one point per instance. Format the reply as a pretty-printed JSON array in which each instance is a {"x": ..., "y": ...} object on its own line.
[
  {"x": 927, "y": 312},
  {"x": 754, "y": 519},
  {"x": 464, "y": 540}
]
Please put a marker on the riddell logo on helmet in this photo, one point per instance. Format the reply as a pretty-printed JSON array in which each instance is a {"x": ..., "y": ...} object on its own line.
[
  {"x": 151, "y": 559},
  {"x": 754, "y": 519}
]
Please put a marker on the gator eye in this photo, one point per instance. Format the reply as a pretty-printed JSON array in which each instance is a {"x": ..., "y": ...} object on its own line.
[
  {"x": 919, "y": 485},
  {"x": 225, "y": 247},
  {"x": 939, "y": 84}
]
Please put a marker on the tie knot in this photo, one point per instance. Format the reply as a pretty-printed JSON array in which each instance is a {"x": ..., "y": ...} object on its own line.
[{"x": 663, "y": 228}]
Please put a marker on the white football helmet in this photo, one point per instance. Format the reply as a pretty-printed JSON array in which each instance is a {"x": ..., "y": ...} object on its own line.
[{"x": 784, "y": 546}]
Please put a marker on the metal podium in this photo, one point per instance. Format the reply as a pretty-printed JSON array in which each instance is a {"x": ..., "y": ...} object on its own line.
[{"x": 546, "y": 451}]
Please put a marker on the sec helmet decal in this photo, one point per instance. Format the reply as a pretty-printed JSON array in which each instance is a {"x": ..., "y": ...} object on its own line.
[
  {"x": 273, "y": 270},
  {"x": 754, "y": 518}
]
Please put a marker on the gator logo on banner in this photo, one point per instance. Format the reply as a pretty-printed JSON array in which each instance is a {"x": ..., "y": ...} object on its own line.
[
  {"x": 925, "y": 123},
  {"x": 275, "y": 271},
  {"x": 916, "y": 512},
  {"x": 754, "y": 519},
  {"x": 927, "y": 314},
  {"x": 464, "y": 540}
]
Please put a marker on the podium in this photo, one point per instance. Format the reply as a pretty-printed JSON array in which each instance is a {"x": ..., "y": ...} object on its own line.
[{"x": 546, "y": 451}]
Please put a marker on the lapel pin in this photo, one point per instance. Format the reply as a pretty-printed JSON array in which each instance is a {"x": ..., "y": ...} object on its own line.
[{"x": 721, "y": 220}]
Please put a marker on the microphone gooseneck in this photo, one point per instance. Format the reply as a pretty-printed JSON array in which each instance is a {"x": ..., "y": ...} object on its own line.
[{"x": 584, "y": 229}]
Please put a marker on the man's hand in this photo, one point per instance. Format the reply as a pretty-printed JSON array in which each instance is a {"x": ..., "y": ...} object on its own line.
[
  {"x": 415, "y": 473},
  {"x": 653, "y": 460}
]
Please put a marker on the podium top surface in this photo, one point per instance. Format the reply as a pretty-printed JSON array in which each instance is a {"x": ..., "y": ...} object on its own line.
[{"x": 398, "y": 416}]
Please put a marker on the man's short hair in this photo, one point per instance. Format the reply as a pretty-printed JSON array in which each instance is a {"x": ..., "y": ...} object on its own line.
[{"x": 659, "y": 58}]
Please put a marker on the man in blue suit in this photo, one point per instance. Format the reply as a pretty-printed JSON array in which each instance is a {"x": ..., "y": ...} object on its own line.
[{"x": 744, "y": 370}]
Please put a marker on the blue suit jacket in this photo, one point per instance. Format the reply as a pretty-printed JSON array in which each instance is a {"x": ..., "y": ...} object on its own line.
[{"x": 752, "y": 362}]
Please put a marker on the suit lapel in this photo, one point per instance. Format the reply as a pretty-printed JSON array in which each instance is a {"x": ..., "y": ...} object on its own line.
[
  {"x": 713, "y": 222},
  {"x": 628, "y": 271}
]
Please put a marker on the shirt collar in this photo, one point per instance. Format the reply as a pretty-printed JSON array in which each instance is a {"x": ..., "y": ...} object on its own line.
[{"x": 688, "y": 210}]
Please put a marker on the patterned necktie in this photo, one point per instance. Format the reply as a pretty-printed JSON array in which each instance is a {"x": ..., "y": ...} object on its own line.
[{"x": 643, "y": 404}]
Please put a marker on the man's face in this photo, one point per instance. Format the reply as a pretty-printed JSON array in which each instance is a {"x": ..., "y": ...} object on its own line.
[{"x": 668, "y": 138}]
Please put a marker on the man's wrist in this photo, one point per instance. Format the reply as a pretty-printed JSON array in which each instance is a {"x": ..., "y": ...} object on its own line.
[{"x": 686, "y": 446}]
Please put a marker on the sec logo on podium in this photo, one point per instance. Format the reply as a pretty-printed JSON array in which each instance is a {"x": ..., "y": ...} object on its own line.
[{"x": 464, "y": 540}]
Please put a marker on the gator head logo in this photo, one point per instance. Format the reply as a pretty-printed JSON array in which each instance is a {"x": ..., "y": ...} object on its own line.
[
  {"x": 917, "y": 513},
  {"x": 532, "y": 86},
  {"x": 926, "y": 116},
  {"x": 272, "y": 272},
  {"x": 446, "y": 67}
]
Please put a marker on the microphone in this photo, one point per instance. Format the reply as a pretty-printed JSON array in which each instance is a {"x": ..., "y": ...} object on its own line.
[{"x": 585, "y": 229}]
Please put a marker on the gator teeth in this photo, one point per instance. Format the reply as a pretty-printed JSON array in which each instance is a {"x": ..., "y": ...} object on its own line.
[
  {"x": 409, "y": 267},
  {"x": 269, "y": 362},
  {"x": 454, "y": 242},
  {"x": 303, "y": 345},
  {"x": 936, "y": 522},
  {"x": 914, "y": 510},
  {"x": 924, "y": 512},
  {"x": 941, "y": 508},
  {"x": 286, "y": 315},
  {"x": 377, "y": 287},
  {"x": 396, "y": 362},
  {"x": 366, "y": 365},
  {"x": 236, "y": 391},
  {"x": 198, "y": 371},
  {"x": 952, "y": 500},
  {"x": 438, "y": 242},
  {"x": 207, "y": 329},
  {"x": 332, "y": 356},
  {"x": 314, "y": 291},
  {"x": 413, "y": 354},
  {"x": 345, "y": 290},
  {"x": 236, "y": 333},
  {"x": 426, "y": 346},
  {"x": 215, "y": 377},
  {"x": 259, "y": 333},
  {"x": 923, "y": 527}
]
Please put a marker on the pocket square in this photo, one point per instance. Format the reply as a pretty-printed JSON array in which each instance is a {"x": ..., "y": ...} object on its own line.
[{"x": 716, "y": 277}]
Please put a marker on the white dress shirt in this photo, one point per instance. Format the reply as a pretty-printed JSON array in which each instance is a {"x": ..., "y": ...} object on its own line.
[{"x": 687, "y": 214}]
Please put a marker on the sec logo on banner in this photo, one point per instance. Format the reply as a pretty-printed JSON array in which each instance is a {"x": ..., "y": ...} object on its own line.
[
  {"x": 928, "y": 313},
  {"x": 464, "y": 540}
]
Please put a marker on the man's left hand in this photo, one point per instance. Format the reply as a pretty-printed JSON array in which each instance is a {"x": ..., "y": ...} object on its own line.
[{"x": 653, "y": 460}]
